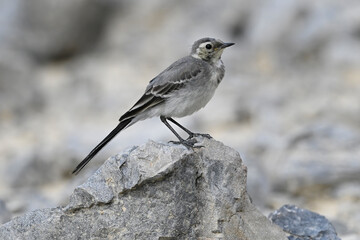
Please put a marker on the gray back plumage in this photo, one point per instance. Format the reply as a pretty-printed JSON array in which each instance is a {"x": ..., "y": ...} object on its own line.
[
  {"x": 181, "y": 71},
  {"x": 187, "y": 70}
]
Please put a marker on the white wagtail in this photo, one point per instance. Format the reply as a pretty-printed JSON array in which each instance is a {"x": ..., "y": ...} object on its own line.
[{"x": 183, "y": 88}]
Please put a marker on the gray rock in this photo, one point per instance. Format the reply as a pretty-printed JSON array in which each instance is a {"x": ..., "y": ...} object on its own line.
[
  {"x": 18, "y": 93},
  {"x": 304, "y": 28},
  {"x": 320, "y": 154},
  {"x": 5, "y": 214},
  {"x": 156, "y": 191},
  {"x": 53, "y": 29},
  {"x": 303, "y": 224},
  {"x": 37, "y": 168}
]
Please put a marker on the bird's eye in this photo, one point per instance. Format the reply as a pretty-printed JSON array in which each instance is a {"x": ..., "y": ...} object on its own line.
[{"x": 208, "y": 46}]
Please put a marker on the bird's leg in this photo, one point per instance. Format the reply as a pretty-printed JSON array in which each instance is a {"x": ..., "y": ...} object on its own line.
[
  {"x": 187, "y": 143},
  {"x": 191, "y": 134}
]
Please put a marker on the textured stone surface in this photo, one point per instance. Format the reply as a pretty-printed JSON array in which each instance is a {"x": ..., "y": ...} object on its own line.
[
  {"x": 303, "y": 224},
  {"x": 156, "y": 191}
]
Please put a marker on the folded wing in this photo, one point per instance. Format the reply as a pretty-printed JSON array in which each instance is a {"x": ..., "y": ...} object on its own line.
[{"x": 163, "y": 86}]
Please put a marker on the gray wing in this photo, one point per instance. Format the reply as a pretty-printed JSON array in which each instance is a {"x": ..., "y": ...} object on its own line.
[{"x": 166, "y": 83}]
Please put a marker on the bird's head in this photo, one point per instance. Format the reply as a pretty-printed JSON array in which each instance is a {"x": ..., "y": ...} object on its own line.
[{"x": 209, "y": 49}]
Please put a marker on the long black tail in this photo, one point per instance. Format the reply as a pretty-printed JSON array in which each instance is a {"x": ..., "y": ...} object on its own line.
[{"x": 102, "y": 144}]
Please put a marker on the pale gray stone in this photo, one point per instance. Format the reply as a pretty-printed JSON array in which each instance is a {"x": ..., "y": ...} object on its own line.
[
  {"x": 156, "y": 191},
  {"x": 53, "y": 29},
  {"x": 5, "y": 214}
]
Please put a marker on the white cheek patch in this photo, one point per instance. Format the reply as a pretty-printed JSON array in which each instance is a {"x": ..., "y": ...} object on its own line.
[{"x": 196, "y": 55}]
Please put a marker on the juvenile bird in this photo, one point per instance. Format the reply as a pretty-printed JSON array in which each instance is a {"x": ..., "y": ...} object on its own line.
[{"x": 183, "y": 88}]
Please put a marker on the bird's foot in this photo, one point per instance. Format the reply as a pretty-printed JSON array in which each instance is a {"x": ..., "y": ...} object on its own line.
[
  {"x": 205, "y": 135},
  {"x": 189, "y": 143}
]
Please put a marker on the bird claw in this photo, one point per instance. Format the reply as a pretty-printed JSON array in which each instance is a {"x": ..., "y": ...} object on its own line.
[
  {"x": 205, "y": 135},
  {"x": 189, "y": 143}
]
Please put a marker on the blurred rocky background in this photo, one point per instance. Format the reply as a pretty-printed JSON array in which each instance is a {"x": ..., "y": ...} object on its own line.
[{"x": 289, "y": 103}]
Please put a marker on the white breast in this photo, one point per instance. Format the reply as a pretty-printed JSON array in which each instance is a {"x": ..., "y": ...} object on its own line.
[{"x": 192, "y": 100}]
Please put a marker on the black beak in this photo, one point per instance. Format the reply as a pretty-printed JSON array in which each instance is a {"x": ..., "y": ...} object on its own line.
[{"x": 225, "y": 45}]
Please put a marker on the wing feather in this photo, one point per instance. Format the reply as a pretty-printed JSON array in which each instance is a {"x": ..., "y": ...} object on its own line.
[
  {"x": 165, "y": 84},
  {"x": 145, "y": 102}
]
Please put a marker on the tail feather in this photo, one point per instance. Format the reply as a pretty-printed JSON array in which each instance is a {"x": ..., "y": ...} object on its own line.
[{"x": 102, "y": 144}]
